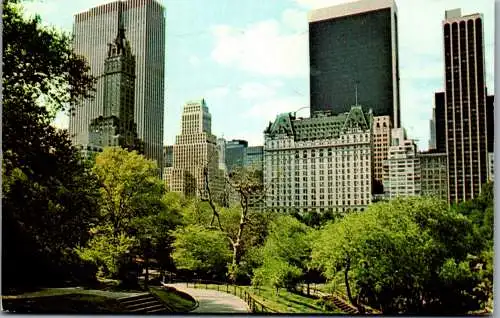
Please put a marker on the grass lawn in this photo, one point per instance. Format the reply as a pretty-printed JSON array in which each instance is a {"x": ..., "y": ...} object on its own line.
[
  {"x": 285, "y": 302},
  {"x": 56, "y": 302},
  {"x": 176, "y": 301}
]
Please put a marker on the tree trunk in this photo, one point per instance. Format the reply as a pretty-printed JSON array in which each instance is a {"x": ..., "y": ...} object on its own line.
[{"x": 347, "y": 286}]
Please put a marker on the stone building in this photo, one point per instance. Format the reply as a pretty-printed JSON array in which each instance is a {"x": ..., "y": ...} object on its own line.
[
  {"x": 319, "y": 164},
  {"x": 195, "y": 154},
  {"x": 434, "y": 174}
]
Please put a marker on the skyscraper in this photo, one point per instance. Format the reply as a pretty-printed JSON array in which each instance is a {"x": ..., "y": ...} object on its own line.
[
  {"x": 465, "y": 104},
  {"x": 439, "y": 112},
  {"x": 354, "y": 46},
  {"x": 117, "y": 127},
  {"x": 144, "y": 22},
  {"x": 195, "y": 153}
]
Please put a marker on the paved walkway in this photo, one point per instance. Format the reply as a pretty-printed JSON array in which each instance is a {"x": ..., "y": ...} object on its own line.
[{"x": 212, "y": 301}]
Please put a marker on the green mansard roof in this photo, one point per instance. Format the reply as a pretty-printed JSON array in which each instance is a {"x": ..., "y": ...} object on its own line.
[{"x": 320, "y": 127}]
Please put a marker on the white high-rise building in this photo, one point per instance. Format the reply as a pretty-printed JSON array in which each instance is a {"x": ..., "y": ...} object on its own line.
[
  {"x": 402, "y": 176},
  {"x": 144, "y": 22},
  {"x": 319, "y": 164}
]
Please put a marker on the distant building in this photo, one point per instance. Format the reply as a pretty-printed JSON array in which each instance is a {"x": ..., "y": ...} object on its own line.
[
  {"x": 235, "y": 155},
  {"x": 434, "y": 174},
  {"x": 255, "y": 157},
  {"x": 403, "y": 167},
  {"x": 89, "y": 152},
  {"x": 221, "y": 149},
  {"x": 382, "y": 127},
  {"x": 467, "y": 130},
  {"x": 195, "y": 154},
  {"x": 432, "y": 129},
  {"x": 168, "y": 155},
  {"x": 439, "y": 112},
  {"x": 355, "y": 44},
  {"x": 319, "y": 164},
  {"x": 116, "y": 128}
]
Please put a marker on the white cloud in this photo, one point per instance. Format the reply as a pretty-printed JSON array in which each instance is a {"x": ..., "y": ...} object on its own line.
[
  {"x": 256, "y": 91},
  {"x": 294, "y": 19},
  {"x": 315, "y": 4},
  {"x": 217, "y": 93},
  {"x": 263, "y": 48},
  {"x": 194, "y": 60},
  {"x": 269, "y": 109}
]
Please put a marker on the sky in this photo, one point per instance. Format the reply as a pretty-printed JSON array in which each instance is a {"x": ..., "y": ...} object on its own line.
[{"x": 249, "y": 59}]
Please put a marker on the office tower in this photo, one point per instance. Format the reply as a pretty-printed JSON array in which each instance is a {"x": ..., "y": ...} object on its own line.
[
  {"x": 355, "y": 46},
  {"x": 440, "y": 121},
  {"x": 195, "y": 153},
  {"x": 403, "y": 166},
  {"x": 144, "y": 23},
  {"x": 381, "y": 141},
  {"x": 320, "y": 164},
  {"x": 221, "y": 149},
  {"x": 432, "y": 129},
  {"x": 235, "y": 153},
  {"x": 434, "y": 174},
  {"x": 255, "y": 157},
  {"x": 116, "y": 127},
  {"x": 168, "y": 155},
  {"x": 465, "y": 100},
  {"x": 490, "y": 121}
]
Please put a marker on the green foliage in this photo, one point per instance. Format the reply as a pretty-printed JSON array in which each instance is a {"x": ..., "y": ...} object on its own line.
[
  {"x": 107, "y": 251},
  {"x": 285, "y": 254},
  {"x": 49, "y": 198},
  {"x": 129, "y": 186},
  {"x": 201, "y": 250},
  {"x": 407, "y": 255}
]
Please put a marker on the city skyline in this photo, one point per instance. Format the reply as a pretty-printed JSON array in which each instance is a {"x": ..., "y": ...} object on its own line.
[{"x": 203, "y": 59}]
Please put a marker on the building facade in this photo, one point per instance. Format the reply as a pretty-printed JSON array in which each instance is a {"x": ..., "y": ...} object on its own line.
[
  {"x": 465, "y": 102},
  {"x": 144, "y": 22},
  {"x": 116, "y": 128},
  {"x": 434, "y": 174},
  {"x": 195, "y": 154},
  {"x": 236, "y": 151},
  {"x": 439, "y": 112},
  {"x": 491, "y": 166},
  {"x": 354, "y": 46},
  {"x": 382, "y": 127},
  {"x": 255, "y": 157},
  {"x": 221, "y": 148},
  {"x": 168, "y": 156},
  {"x": 319, "y": 164},
  {"x": 403, "y": 167}
]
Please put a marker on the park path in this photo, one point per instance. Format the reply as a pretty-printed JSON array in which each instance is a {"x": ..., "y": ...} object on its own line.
[{"x": 212, "y": 301}]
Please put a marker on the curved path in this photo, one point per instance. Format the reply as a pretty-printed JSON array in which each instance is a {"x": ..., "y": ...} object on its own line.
[{"x": 212, "y": 301}]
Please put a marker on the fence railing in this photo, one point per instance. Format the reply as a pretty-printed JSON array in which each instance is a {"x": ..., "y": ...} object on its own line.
[
  {"x": 343, "y": 297},
  {"x": 254, "y": 305}
]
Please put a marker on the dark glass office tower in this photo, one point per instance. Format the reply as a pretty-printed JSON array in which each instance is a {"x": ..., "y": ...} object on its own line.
[
  {"x": 440, "y": 121},
  {"x": 465, "y": 100},
  {"x": 354, "y": 46}
]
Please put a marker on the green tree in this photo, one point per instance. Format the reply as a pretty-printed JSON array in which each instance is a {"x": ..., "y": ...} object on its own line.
[
  {"x": 129, "y": 187},
  {"x": 132, "y": 210},
  {"x": 49, "y": 197},
  {"x": 286, "y": 253},
  {"x": 404, "y": 256},
  {"x": 201, "y": 250}
]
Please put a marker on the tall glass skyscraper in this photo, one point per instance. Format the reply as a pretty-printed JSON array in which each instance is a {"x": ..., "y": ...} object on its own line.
[
  {"x": 354, "y": 47},
  {"x": 465, "y": 105},
  {"x": 144, "y": 22}
]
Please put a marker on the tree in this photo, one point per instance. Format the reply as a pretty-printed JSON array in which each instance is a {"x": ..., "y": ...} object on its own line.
[
  {"x": 129, "y": 187},
  {"x": 201, "y": 250},
  {"x": 404, "y": 256},
  {"x": 49, "y": 196},
  {"x": 132, "y": 210},
  {"x": 286, "y": 252}
]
